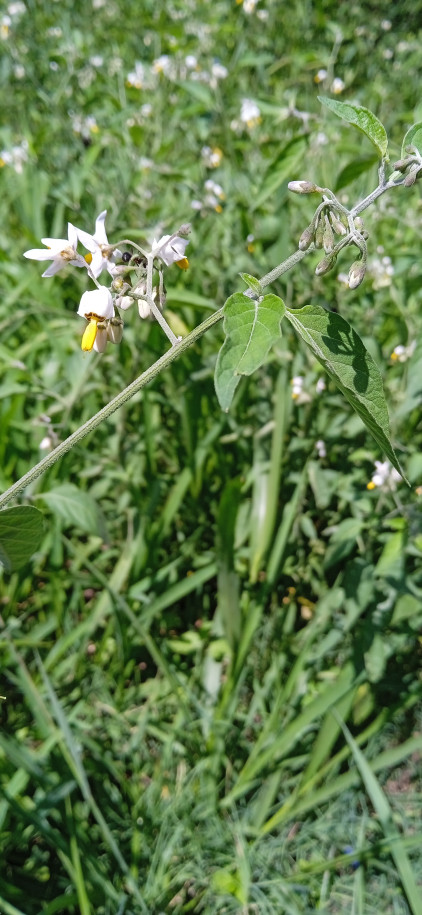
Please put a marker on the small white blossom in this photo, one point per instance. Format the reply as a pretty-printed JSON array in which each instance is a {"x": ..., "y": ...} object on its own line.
[
  {"x": 320, "y": 76},
  {"x": 337, "y": 86},
  {"x": 250, "y": 113},
  {"x": 97, "y": 307},
  {"x": 136, "y": 78},
  {"x": 403, "y": 353},
  {"x": 321, "y": 449},
  {"x": 385, "y": 477},
  {"x": 171, "y": 250},
  {"x": 103, "y": 255},
  {"x": 320, "y": 386},
  {"x": 60, "y": 251},
  {"x": 219, "y": 71}
]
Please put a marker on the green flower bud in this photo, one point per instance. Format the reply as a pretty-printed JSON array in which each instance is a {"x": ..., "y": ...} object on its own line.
[
  {"x": 325, "y": 265},
  {"x": 356, "y": 274},
  {"x": 328, "y": 237},
  {"x": 337, "y": 224},
  {"x": 303, "y": 187},
  {"x": 115, "y": 330},
  {"x": 319, "y": 234},
  {"x": 306, "y": 238}
]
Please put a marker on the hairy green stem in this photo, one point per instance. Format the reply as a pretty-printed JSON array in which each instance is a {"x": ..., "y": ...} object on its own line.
[{"x": 110, "y": 408}]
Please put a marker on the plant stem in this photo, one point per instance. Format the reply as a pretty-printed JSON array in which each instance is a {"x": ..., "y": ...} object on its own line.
[{"x": 110, "y": 408}]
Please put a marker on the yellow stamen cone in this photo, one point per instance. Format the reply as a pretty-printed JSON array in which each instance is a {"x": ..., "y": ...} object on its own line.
[
  {"x": 88, "y": 258},
  {"x": 183, "y": 263},
  {"x": 89, "y": 335}
]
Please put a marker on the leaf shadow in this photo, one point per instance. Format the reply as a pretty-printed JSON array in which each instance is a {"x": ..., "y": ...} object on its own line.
[{"x": 342, "y": 340}]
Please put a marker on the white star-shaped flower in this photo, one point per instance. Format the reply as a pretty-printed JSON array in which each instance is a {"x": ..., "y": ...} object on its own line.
[
  {"x": 171, "y": 250},
  {"x": 103, "y": 255},
  {"x": 60, "y": 251}
]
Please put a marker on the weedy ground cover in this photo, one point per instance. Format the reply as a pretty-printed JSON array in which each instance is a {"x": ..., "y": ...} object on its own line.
[{"x": 211, "y": 665}]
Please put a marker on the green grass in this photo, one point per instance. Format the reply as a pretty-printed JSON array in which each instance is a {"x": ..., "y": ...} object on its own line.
[{"x": 211, "y": 665}]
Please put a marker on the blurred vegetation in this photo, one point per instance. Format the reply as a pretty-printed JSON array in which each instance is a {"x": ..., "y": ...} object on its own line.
[{"x": 213, "y": 595}]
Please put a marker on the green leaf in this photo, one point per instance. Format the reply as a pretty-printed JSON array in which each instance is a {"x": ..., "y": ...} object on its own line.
[
  {"x": 281, "y": 170},
  {"x": 412, "y": 138},
  {"x": 363, "y": 119},
  {"x": 251, "y": 326},
  {"x": 74, "y": 508},
  {"x": 252, "y": 282},
  {"x": 354, "y": 170},
  {"x": 21, "y": 530},
  {"x": 341, "y": 351}
]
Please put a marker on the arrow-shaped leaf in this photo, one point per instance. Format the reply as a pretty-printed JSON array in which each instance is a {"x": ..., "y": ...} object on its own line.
[
  {"x": 252, "y": 326},
  {"x": 341, "y": 351},
  {"x": 21, "y": 530},
  {"x": 361, "y": 118}
]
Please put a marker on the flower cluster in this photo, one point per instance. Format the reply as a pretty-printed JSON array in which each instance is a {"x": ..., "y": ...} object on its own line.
[
  {"x": 98, "y": 306},
  {"x": 385, "y": 477}
]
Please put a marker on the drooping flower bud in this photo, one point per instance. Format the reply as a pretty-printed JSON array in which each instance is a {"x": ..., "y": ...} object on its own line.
[
  {"x": 306, "y": 238},
  {"x": 411, "y": 176},
  {"x": 124, "y": 301},
  {"x": 328, "y": 237},
  {"x": 337, "y": 224},
  {"x": 325, "y": 265},
  {"x": 319, "y": 234},
  {"x": 115, "y": 330},
  {"x": 303, "y": 187},
  {"x": 356, "y": 274}
]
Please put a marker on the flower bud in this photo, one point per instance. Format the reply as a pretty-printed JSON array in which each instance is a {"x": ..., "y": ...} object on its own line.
[
  {"x": 115, "y": 330},
  {"x": 328, "y": 237},
  {"x": 303, "y": 187},
  {"x": 356, "y": 274},
  {"x": 101, "y": 337},
  {"x": 337, "y": 224},
  {"x": 319, "y": 234},
  {"x": 185, "y": 229},
  {"x": 411, "y": 176},
  {"x": 306, "y": 238},
  {"x": 124, "y": 301},
  {"x": 401, "y": 165},
  {"x": 325, "y": 265}
]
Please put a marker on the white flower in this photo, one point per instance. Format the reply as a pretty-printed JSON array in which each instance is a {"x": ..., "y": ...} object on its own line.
[
  {"x": 385, "y": 476},
  {"x": 60, "y": 251},
  {"x": 403, "y": 353},
  {"x": 97, "y": 307},
  {"x": 219, "y": 71},
  {"x": 320, "y": 76},
  {"x": 162, "y": 64},
  {"x": 250, "y": 113},
  {"x": 103, "y": 255},
  {"x": 171, "y": 250},
  {"x": 321, "y": 449},
  {"x": 136, "y": 77},
  {"x": 337, "y": 85}
]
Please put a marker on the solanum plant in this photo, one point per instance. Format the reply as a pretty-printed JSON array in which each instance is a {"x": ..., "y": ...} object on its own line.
[{"x": 252, "y": 319}]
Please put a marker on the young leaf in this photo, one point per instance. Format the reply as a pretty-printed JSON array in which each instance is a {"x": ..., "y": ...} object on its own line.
[
  {"x": 361, "y": 118},
  {"x": 341, "y": 351},
  {"x": 21, "y": 530},
  {"x": 251, "y": 326},
  {"x": 412, "y": 138},
  {"x": 252, "y": 282}
]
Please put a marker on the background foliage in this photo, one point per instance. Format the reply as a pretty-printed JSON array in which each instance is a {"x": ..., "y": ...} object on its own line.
[{"x": 214, "y": 594}]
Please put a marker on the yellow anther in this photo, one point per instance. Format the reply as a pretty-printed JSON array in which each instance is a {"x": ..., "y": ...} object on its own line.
[
  {"x": 90, "y": 334},
  {"x": 183, "y": 263},
  {"x": 88, "y": 258},
  {"x": 371, "y": 485}
]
